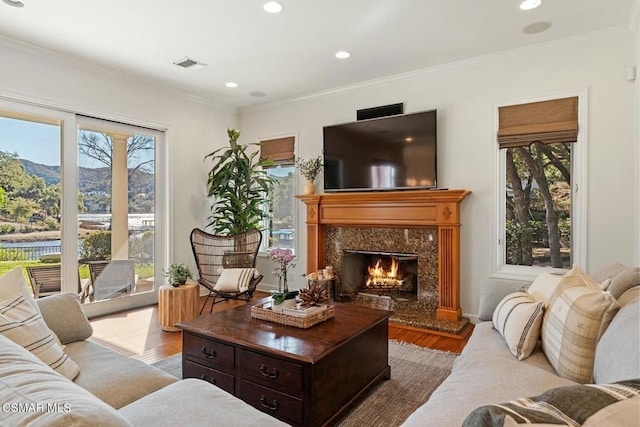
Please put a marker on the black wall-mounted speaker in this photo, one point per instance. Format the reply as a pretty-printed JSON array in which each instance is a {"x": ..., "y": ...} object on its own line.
[{"x": 383, "y": 111}]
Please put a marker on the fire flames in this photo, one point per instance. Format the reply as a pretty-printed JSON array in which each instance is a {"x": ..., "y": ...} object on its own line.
[{"x": 384, "y": 279}]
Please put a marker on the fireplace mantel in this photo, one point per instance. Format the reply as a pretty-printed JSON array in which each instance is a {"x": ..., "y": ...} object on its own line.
[{"x": 398, "y": 209}]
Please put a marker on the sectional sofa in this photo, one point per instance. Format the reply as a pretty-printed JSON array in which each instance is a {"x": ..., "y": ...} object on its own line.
[
  {"x": 87, "y": 384},
  {"x": 487, "y": 377},
  {"x": 108, "y": 389}
]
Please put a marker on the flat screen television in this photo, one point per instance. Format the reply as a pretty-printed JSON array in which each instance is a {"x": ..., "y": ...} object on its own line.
[{"x": 388, "y": 153}]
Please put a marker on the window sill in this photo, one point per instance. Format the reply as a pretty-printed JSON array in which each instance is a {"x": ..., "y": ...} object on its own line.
[{"x": 525, "y": 273}]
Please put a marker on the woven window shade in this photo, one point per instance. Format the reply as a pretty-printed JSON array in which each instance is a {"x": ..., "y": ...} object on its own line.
[
  {"x": 548, "y": 122},
  {"x": 279, "y": 150}
]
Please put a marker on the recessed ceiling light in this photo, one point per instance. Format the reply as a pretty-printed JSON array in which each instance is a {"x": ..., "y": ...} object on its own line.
[
  {"x": 14, "y": 3},
  {"x": 536, "y": 27},
  {"x": 272, "y": 7},
  {"x": 530, "y": 4},
  {"x": 231, "y": 84},
  {"x": 343, "y": 54}
]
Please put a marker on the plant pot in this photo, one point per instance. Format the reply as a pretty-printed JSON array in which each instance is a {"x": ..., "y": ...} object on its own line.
[
  {"x": 289, "y": 303},
  {"x": 309, "y": 187}
]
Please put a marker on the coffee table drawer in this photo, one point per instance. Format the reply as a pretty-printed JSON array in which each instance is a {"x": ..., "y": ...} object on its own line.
[
  {"x": 280, "y": 405},
  {"x": 211, "y": 353},
  {"x": 215, "y": 377},
  {"x": 269, "y": 371}
]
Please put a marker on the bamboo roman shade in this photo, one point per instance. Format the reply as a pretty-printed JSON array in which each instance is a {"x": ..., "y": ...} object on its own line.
[
  {"x": 279, "y": 150},
  {"x": 548, "y": 122}
]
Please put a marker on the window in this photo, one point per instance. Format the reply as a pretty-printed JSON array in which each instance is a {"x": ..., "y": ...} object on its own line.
[
  {"x": 280, "y": 205},
  {"x": 540, "y": 213}
]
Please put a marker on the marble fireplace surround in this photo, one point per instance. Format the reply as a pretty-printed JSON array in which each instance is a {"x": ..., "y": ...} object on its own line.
[{"x": 338, "y": 220}]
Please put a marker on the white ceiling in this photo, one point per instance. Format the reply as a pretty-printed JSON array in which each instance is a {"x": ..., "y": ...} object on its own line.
[{"x": 290, "y": 54}]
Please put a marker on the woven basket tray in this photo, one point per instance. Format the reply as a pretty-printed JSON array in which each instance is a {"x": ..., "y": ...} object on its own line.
[{"x": 259, "y": 311}]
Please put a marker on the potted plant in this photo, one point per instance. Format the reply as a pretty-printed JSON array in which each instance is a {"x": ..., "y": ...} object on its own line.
[
  {"x": 177, "y": 274},
  {"x": 238, "y": 184},
  {"x": 310, "y": 169},
  {"x": 284, "y": 260}
]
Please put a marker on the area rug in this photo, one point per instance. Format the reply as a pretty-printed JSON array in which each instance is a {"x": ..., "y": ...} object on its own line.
[{"x": 415, "y": 373}]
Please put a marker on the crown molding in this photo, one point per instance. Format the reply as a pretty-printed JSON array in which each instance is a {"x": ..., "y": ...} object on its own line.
[
  {"x": 610, "y": 33},
  {"x": 121, "y": 76}
]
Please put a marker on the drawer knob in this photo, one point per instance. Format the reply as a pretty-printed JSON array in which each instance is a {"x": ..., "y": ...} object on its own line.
[
  {"x": 271, "y": 406},
  {"x": 208, "y": 355},
  {"x": 204, "y": 377},
  {"x": 263, "y": 371}
]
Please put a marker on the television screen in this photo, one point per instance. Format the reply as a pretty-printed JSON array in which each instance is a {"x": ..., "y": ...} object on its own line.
[{"x": 397, "y": 152}]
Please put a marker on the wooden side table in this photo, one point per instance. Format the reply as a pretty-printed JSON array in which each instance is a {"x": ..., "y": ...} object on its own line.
[{"x": 176, "y": 305}]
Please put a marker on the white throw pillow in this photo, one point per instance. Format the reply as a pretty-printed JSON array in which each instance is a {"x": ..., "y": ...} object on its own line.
[
  {"x": 578, "y": 314},
  {"x": 518, "y": 319},
  {"x": 22, "y": 324},
  {"x": 543, "y": 286},
  {"x": 235, "y": 279},
  {"x": 13, "y": 282}
]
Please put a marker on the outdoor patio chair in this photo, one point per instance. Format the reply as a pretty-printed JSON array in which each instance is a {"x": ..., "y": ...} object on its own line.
[
  {"x": 45, "y": 279},
  {"x": 111, "y": 278},
  {"x": 215, "y": 253}
]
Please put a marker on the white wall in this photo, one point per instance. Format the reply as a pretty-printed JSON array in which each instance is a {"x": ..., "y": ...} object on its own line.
[
  {"x": 193, "y": 128},
  {"x": 466, "y": 95},
  {"x": 636, "y": 63}
]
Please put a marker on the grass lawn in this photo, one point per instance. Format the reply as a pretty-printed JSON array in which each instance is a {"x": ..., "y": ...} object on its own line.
[{"x": 142, "y": 270}]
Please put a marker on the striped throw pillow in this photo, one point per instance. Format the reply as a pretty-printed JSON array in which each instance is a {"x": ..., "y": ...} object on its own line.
[
  {"x": 24, "y": 325},
  {"x": 568, "y": 406},
  {"x": 518, "y": 319},
  {"x": 235, "y": 279},
  {"x": 578, "y": 314}
]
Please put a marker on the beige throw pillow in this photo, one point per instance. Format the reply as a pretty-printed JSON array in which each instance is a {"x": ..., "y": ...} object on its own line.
[
  {"x": 50, "y": 399},
  {"x": 578, "y": 314},
  {"x": 518, "y": 319},
  {"x": 624, "y": 280},
  {"x": 235, "y": 279},
  {"x": 22, "y": 324},
  {"x": 543, "y": 286}
]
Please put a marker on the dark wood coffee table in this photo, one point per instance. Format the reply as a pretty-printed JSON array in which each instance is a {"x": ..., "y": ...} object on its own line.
[{"x": 304, "y": 377}]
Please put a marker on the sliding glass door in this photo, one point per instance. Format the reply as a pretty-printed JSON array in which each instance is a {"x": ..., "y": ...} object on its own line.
[
  {"x": 117, "y": 222},
  {"x": 81, "y": 204}
]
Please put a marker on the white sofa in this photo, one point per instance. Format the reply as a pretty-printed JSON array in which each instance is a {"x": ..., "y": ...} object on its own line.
[
  {"x": 487, "y": 373},
  {"x": 110, "y": 389}
]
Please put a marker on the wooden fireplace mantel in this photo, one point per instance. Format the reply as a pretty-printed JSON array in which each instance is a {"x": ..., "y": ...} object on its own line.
[{"x": 398, "y": 209}]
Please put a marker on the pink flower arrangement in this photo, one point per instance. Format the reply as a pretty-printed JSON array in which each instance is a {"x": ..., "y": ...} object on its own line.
[{"x": 284, "y": 259}]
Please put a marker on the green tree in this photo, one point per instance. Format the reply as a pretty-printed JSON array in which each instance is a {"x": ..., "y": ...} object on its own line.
[
  {"x": 3, "y": 197},
  {"x": 13, "y": 177},
  {"x": 50, "y": 200},
  {"x": 20, "y": 209}
]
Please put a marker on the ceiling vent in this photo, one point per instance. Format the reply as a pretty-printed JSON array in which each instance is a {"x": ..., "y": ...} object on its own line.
[{"x": 189, "y": 63}]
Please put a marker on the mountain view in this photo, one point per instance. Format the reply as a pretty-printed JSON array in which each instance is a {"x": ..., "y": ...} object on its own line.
[{"x": 91, "y": 180}]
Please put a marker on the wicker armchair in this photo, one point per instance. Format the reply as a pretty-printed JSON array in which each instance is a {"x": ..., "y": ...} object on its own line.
[{"x": 214, "y": 253}]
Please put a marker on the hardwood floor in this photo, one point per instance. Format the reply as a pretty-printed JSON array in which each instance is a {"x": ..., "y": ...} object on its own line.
[{"x": 137, "y": 334}]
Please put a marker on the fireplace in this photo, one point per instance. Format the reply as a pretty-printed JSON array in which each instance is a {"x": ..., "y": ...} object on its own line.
[
  {"x": 424, "y": 223},
  {"x": 380, "y": 274},
  {"x": 352, "y": 250}
]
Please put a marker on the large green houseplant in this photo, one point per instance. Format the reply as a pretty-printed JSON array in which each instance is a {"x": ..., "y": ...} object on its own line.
[{"x": 238, "y": 184}]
